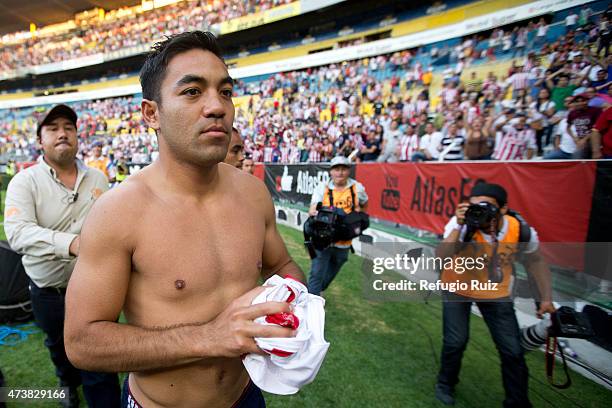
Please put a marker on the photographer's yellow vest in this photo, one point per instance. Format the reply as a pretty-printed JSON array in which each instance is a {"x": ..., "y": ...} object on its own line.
[
  {"x": 476, "y": 279},
  {"x": 342, "y": 199}
]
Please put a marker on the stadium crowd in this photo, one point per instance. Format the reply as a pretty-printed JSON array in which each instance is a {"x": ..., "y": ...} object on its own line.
[
  {"x": 383, "y": 108},
  {"x": 125, "y": 31}
]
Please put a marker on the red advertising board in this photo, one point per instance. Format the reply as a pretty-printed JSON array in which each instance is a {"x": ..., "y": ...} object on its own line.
[{"x": 554, "y": 197}]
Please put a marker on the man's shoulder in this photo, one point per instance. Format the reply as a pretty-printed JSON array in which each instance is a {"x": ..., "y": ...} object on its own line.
[
  {"x": 241, "y": 182},
  {"x": 357, "y": 184},
  {"x": 26, "y": 175},
  {"x": 129, "y": 197},
  {"x": 96, "y": 174}
]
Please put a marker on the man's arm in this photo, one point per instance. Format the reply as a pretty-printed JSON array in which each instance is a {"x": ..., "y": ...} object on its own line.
[
  {"x": 275, "y": 258},
  {"x": 452, "y": 234},
  {"x": 317, "y": 197},
  {"x": 596, "y": 144},
  {"x": 549, "y": 79},
  {"x": 93, "y": 339},
  {"x": 531, "y": 145},
  {"x": 602, "y": 86},
  {"x": 538, "y": 268},
  {"x": 23, "y": 232},
  {"x": 600, "y": 128}
]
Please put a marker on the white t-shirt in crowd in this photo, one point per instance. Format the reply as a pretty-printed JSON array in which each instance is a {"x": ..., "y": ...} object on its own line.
[
  {"x": 566, "y": 143},
  {"x": 430, "y": 143},
  {"x": 571, "y": 19}
]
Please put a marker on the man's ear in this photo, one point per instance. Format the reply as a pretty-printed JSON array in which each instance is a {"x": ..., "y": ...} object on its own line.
[
  {"x": 504, "y": 210},
  {"x": 150, "y": 113}
]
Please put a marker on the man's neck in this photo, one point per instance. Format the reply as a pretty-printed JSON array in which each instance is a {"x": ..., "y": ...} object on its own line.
[
  {"x": 62, "y": 169},
  {"x": 185, "y": 178}
]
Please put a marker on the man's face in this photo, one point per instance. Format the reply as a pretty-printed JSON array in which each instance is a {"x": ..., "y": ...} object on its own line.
[
  {"x": 195, "y": 115},
  {"x": 521, "y": 123},
  {"x": 248, "y": 165},
  {"x": 97, "y": 151},
  {"x": 601, "y": 75},
  {"x": 580, "y": 103},
  {"x": 340, "y": 175},
  {"x": 235, "y": 153},
  {"x": 563, "y": 82},
  {"x": 481, "y": 199},
  {"x": 58, "y": 139}
]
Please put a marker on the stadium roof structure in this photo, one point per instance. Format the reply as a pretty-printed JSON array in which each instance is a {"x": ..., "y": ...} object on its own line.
[{"x": 16, "y": 15}]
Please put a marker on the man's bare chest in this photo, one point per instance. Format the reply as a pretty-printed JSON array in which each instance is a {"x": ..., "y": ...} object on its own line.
[{"x": 181, "y": 253}]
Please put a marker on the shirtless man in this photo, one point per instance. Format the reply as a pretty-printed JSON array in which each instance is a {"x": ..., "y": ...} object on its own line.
[
  {"x": 180, "y": 247},
  {"x": 235, "y": 153}
]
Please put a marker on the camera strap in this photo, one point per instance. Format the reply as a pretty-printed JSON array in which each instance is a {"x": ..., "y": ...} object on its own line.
[
  {"x": 330, "y": 193},
  {"x": 551, "y": 350}
]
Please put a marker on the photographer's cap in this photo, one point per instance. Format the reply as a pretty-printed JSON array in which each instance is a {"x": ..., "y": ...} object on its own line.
[
  {"x": 491, "y": 190},
  {"x": 58, "y": 111},
  {"x": 340, "y": 161}
]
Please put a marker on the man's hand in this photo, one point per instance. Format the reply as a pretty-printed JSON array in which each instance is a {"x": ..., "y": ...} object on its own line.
[
  {"x": 460, "y": 212},
  {"x": 233, "y": 331},
  {"x": 74, "y": 246},
  {"x": 581, "y": 143},
  {"x": 312, "y": 210},
  {"x": 545, "y": 307}
]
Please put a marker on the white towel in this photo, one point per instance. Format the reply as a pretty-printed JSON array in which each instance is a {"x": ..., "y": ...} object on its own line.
[{"x": 291, "y": 362}]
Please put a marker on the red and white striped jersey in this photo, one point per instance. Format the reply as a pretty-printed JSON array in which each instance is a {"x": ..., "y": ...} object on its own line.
[
  {"x": 422, "y": 106},
  {"x": 284, "y": 155},
  {"x": 314, "y": 155},
  {"x": 408, "y": 146},
  {"x": 267, "y": 154},
  {"x": 519, "y": 80},
  {"x": 257, "y": 155},
  {"x": 513, "y": 143},
  {"x": 294, "y": 155}
]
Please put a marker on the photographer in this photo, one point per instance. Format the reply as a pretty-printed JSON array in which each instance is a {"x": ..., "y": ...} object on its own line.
[
  {"x": 486, "y": 229},
  {"x": 344, "y": 193}
]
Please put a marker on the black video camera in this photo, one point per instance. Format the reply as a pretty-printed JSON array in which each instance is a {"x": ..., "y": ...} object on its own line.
[
  {"x": 481, "y": 214},
  {"x": 332, "y": 224},
  {"x": 320, "y": 230}
]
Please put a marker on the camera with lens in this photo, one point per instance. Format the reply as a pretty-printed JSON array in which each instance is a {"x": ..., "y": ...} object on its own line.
[
  {"x": 320, "y": 230},
  {"x": 332, "y": 224},
  {"x": 481, "y": 214},
  {"x": 564, "y": 322}
]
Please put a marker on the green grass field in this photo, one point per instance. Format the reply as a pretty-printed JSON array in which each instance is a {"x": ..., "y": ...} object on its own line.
[{"x": 381, "y": 355}]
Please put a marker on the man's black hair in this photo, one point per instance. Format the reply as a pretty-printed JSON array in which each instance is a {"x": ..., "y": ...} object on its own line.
[
  {"x": 490, "y": 190},
  {"x": 153, "y": 71}
]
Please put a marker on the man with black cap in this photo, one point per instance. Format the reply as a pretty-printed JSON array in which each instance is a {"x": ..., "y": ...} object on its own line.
[
  {"x": 46, "y": 205},
  {"x": 491, "y": 236},
  {"x": 341, "y": 192}
]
